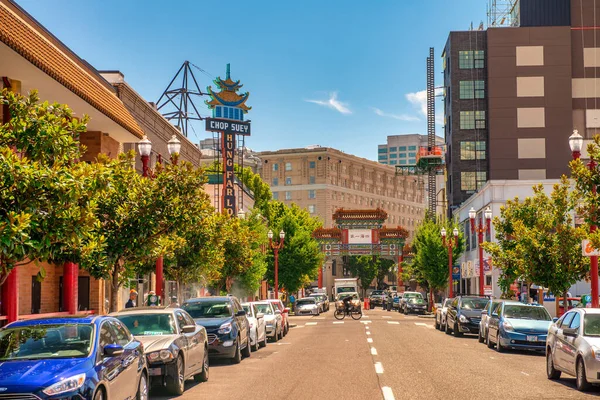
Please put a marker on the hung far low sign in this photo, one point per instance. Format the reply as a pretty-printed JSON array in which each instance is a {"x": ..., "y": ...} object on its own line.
[{"x": 228, "y": 126}]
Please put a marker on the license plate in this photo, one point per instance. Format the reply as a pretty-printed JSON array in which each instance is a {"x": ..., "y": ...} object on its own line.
[
  {"x": 155, "y": 372},
  {"x": 532, "y": 338}
]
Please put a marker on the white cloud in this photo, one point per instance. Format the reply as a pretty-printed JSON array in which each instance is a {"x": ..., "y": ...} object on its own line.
[
  {"x": 333, "y": 103},
  {"x": 419, "y": 100},
  {"x": 401, "y": 117}
]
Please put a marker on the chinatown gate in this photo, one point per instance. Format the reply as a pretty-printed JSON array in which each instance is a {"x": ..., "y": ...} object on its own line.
[{"x": 362, "y": 232}]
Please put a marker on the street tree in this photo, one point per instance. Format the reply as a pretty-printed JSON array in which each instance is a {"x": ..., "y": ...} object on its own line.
[{"x": 365, "y": 268}]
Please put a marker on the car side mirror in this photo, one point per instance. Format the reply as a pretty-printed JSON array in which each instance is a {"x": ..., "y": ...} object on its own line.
[
  {"x": 240, "y": 313},
  {"x": 571, "y": 332},
  {"x": 188, "y": 329},
  {"x": 260, "y": 315},
  {"x": 554, "y": 319},
  {"x": 277, "y": 311},
  {"x": 112, "y": 350}
]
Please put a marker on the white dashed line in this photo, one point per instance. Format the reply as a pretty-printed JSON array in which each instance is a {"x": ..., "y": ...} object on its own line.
[
  {"x": 338, "y": 322},
  {"x": 493, "y": 358},
  {"x": 298, "y": 327},
  {"x": 525, "y": 373},
  {"x": 365, "y": 322},
  {"x": 393, "y": 323},
  {"x": 369, "y": 340},
  {"x": 373, "y": 351},
  {"x": 368, "y": 333},
  {"x": 378, "y": 368},
  {"x": 420, "y": 324},
  {"x": 387, "y": 393},
  {"x": 310, "y": 323},
  {"x": 430, "y": 326}
]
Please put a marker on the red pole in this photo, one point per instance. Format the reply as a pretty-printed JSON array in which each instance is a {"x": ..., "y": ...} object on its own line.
[
  {"x": 481, "y": 273},
  {"x": 320, "y": 283},
  {"x": 400, "y": 271},
  {"x": 145, "y": 161},
  {"x": 451, "y": 284},
  {"x": 10, "y": 296},
  {"x": 70, "y": 273},
  {"x": 593, "y": 259},
  {"x": 159, "y": 278},
  {"x": 276, "y": 250}
]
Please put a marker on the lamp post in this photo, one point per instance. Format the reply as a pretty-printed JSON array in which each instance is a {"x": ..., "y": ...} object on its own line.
[
  {"x": 241, "y": 214},
  {"x": 576, "y": 144},
  {"x": 145, "y": 148},
  {"x": 276, "y": 246},
  {"x": 450, "y": 244},
  {"x": 480, "y": 228},
  {"x": 174, "y": 145}
]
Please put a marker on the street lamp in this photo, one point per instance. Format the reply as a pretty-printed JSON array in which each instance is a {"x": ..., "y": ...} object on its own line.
[
  {"x": 450, "y": 244},
  {"x": 276, "y": 246},
  {"x": 480, "y": 228},
  {"x": 174, "y": 145},
  {"x": 576, "y": 143},
  {"x": 241, "y": 214},
  {"x": 145, "y": 149}
]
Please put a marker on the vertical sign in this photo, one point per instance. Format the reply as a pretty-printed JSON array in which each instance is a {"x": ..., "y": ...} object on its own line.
[{"x": 228, "y": 198}]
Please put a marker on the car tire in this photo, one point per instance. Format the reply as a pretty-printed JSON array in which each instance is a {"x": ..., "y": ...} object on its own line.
[
  {"x": 176, "y": 384},
  {"x": 255, "y": 347},
  {"x": 237, "y": 357},
  {"x": 581, "y": 378},
  {"x": 99, "y": 395},
  {"x": 447, "y": 329},
  {"x": 142, "y": 392},
  {"x": 488, "y": 342},
  {"x": 480, "y": 337},
  {"x": 552, "y": 372},
  {"x": 437, "y": 324},
  {"x": 264, "y": 342},
  {"x": 203, "y": 376},
  {"x": 456, "y": 331},
  {"x": 247, "y": 351},
  {"x": 499, "y": 347}
]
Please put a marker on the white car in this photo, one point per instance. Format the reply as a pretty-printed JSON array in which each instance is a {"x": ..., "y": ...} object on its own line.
[
  {"x": 272, "y": 317},
  {"x": 307, "y": 305},
  {"x": 258, "y": 326},
  {"x": 440, "y": 315}
]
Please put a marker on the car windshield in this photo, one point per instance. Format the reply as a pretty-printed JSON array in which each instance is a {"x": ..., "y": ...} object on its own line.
[
  {"x": 376, "y": 292},
  {"x": 416, "y": 300},
  {"x": 46, "y": 341},
  {"x": 275, "y": 305},
  {"x": 591, "y": 325},
  {"x": 413, "y": 295},
  {"x": 149, "y": 324},
  {"x": 474, "y": 303},
  {"x": 318, "y": 297},
  {"x": 264, "y": 308},
  {"x": 517, "y": 311},
  {"x": 342, "y": 296},
  {"x": 209, "y": 309},
  {"x": 305, "y": 302},
  {"x": 345, "y": 290},
  {"x": 248, "y": 309},
  {"x": 447, "y": 302}
]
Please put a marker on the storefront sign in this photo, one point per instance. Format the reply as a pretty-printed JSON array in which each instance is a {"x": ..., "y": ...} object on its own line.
[
  {"x": 227, "y": 126},
  {"x": 228, "y": 144},
  {"x": 487, "y": 290},
  {"x": 588, "y": 250},
  {"x": 456, "y": 273},
  {"x": 359, "y": 236}
]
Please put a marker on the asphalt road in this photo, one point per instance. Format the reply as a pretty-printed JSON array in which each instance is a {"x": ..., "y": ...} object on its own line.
[{"x": 385, "y": 355}]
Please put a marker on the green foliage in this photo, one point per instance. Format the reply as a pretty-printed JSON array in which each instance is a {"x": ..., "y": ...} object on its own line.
[
  {"x": 259, "y": 188},
  {"x": 430, "y": 263},
  {"x": 368, "y": 268}
]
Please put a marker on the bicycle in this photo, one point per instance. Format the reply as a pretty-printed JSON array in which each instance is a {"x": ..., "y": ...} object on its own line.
[{"x": 354, "y": 312}]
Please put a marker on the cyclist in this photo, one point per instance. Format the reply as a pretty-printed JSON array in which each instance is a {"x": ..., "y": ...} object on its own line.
[{"x": 347, "y": 303}]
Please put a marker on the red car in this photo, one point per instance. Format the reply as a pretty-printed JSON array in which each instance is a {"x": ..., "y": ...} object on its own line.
[{"x": 278, "y": 304}]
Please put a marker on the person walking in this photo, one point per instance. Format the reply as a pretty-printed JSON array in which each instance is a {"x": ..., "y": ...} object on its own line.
[
  {"x": 132, "y": 299},
  {"x": 293, "y": 301}
]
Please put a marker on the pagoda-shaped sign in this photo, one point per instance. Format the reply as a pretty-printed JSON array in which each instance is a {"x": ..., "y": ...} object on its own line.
[{"x": 228, "y": 109}]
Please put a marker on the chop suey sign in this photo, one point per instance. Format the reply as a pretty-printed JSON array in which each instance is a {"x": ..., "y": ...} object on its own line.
[{"x": 227, "y": 126}]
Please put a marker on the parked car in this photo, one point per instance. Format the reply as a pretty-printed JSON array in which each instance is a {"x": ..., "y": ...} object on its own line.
[
  {"x": 464, "y": 314},
  {"x": 397, "y": 299},
  {"x": 85, "y": 358},
  {"x": 376, "y": 298},
  {"x": 514, "y": 325},
  {"x": 308, "y": 305},
  {"x": 572, "y": 302},
  {"x": 176, "y": 348},
  {"x": 407, "y": 296},
  {"x": 573, "y": 347},
  {"x": 226, "y": 326},
  {"x": 273, "y": 320},
  {"x": 258, "y": 326},
  {"x": 285, "y": 314},
  {"x": 321, "y": 298},
  {"x": 415, "y": 305},
  {"x": 485, "y": 316},
  {"x": 440, "y": 315}
]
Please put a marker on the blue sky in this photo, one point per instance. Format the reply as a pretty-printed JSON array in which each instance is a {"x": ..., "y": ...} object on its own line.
[{"x": 336, "y": 73}]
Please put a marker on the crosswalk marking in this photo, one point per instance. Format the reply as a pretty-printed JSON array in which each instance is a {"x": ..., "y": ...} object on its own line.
[
  {"x": 310, "y": 323},
  {"x": 420, "y": 324},
  {"x": 393, "y": 322},
  {"x": 338, "y": 322}
]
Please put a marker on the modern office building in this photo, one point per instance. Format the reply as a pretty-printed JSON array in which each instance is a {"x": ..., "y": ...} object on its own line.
[{"x": 403, "y": 149}]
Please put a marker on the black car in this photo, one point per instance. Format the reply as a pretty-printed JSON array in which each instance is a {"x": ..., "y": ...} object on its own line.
[
  {"x": 464, "y": 314},
  {"x": 376, "y": 298},
  {"x": 227, "y": 327},
  {"x": 415, "y": 305}
]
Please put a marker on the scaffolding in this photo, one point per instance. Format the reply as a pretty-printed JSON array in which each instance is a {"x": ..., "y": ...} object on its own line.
[{"x": 503, "y": 13}]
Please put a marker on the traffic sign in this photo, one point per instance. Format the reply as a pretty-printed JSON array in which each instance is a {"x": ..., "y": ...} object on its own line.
[{"x": 588, "y": 250}]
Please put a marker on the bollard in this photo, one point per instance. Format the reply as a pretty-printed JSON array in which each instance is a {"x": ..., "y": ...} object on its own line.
[{"x": 366, "y": 305}]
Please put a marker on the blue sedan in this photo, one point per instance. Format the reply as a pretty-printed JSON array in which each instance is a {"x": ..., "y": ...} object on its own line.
[
  {"x": 92, "y": 358},
  {"x": 515, "y": 325}
]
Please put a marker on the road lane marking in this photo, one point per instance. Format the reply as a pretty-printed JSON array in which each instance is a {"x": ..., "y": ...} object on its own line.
[
  {"x": 387, "y": 393},
  {"x": 420, "y": 324},
  {"x": 368, "y": 333},
  {"x": 369, "y": 340},
  {"x": 493, "y": 358},
  {"x": 310, "y": 323},
  {"x": 525, "y": 373},
  {"x": 373, "y": 351},
  {"x": 430, "y": 326},
  {"x": 297, "y": 327},
  {"x": 393, "y": 323},
  {"x": 365, "y": 321},
  {"x": 280, "y": 343},
  {"x": 378, "y": 368},
  {"x": 338, "y": 322}
]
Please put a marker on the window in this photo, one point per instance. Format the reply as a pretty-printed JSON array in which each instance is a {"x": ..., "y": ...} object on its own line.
[
  {"x": 333, "y": 268},
  {"x": 288, "y": 166},
  {"x": 479, "y": 119},
  {"x": 472, "y": 120},
  {"x": 383, "y": 157},
  {"x": 275, "y": 195},
  {"x": 412, "y": 154},
  {"x": 472, "y": 150},
  {"x": 392, "y": 150},
  {"x": 393, "y": 162},
  {"x": 288, "y": 181},
  {"x": 402, "y": 155},
  {"x": 467, "y": 181},
  {"x": 311, "y": 208},
  {"x": 275, "y": 181},
  {"x": 472, "y": 90},
  {"x": 402, "y": 148},
  {"x": 312, "y": 194},
  {"x": 412, "y": 148},
  {"x": 382, "y": 150},
  {"x": 218, "y": 112},
  {"x": 568, "y": 319},
  {"x": 312, "y": 164},
  {"x": 275, "y": 167},
  {"x": 123, "y": 336},
  {"x": 479, "y": 89},
  {"x": 393, "y": 155},
  {"x": 288, "y": 195},
  {"x": 481, "y": 179},
  {"x": 412, "y": 161},
  {"x": 478, "y": 55},
  {"x": 311, "y": 180},
  {"x": 576, "y": 322},
  {"x": 471, "y": 59},
  {"x": 402, "y": 162}
]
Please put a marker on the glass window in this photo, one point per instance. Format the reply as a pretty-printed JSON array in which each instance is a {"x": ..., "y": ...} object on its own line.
[
  {"x": 479, "y": 89},
  {"x": 312, "y": 194},
  {"x": 467, "y": 120},
  {"x": 311, "y": 180},
  {"x": 382, "y": 150},
  {"x": 393, "y": 162},
  {"x": 468, "y": 181},
  {"x": 591, "y": 325},
  {"x": 123, "y": 337},
  {"x": 412, "y": 154},
  {"x": 568, "y": 318},
  {"x": 288, "y": 181},
  {"x": 466, "y": 90},
  {"x": 467, "y": 150},
  {"x": 236, "y": 113},
  {"x": 403, "y": 162},
  {"x": 412, "y": 161},
  {"x": 480, "y": 119},
  {"x": 311, "y": 208},
  {"x": 275, "y": 181},
  {"x": 288, "y": 195},
  {"x": 402, "y": 155},
  {"x": 384, "y": 162},
  {"x": 576, "y": 321},
  {"x": 392, "y": 149},
  {"x": 393, "y": 155},
  {"x": 209, "y": 309},
  {"x": 412, "y": 148},
  {"x": 288, "y": 166},
  {"x": 402, "y": 148},
  {"x": 275, "y": 195},
  {"x": 312, "y": 164},
  {"x": 275, "y": 167},
  {"x": 107, "y": 335},
  {"x": 465, "y": 59},
  {"x": 478, "y": 56},
  {"x": 481, "y": 179},
  {"x": 218, "y": 112},
  {"x": 383, "y": 157}
]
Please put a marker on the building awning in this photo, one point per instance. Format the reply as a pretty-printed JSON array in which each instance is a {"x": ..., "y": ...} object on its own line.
[{"x": 30, "y": 40}]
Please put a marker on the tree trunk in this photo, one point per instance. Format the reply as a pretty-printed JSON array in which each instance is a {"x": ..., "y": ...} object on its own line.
[
  {"x": 180, "y": 298},
  {"x": 565, "y": 302},
  {"x": 114, "y": 292},
  {"x": 430, "y": 299}
]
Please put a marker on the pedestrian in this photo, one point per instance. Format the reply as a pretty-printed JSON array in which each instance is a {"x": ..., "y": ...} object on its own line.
[
  {"x": 132, "y": 299},
  {"x": 174, "y": 303},
  {"x": 292, "y": 301}
]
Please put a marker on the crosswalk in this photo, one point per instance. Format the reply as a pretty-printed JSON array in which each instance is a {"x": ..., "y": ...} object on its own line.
[{"x": 367, "y": 322}]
